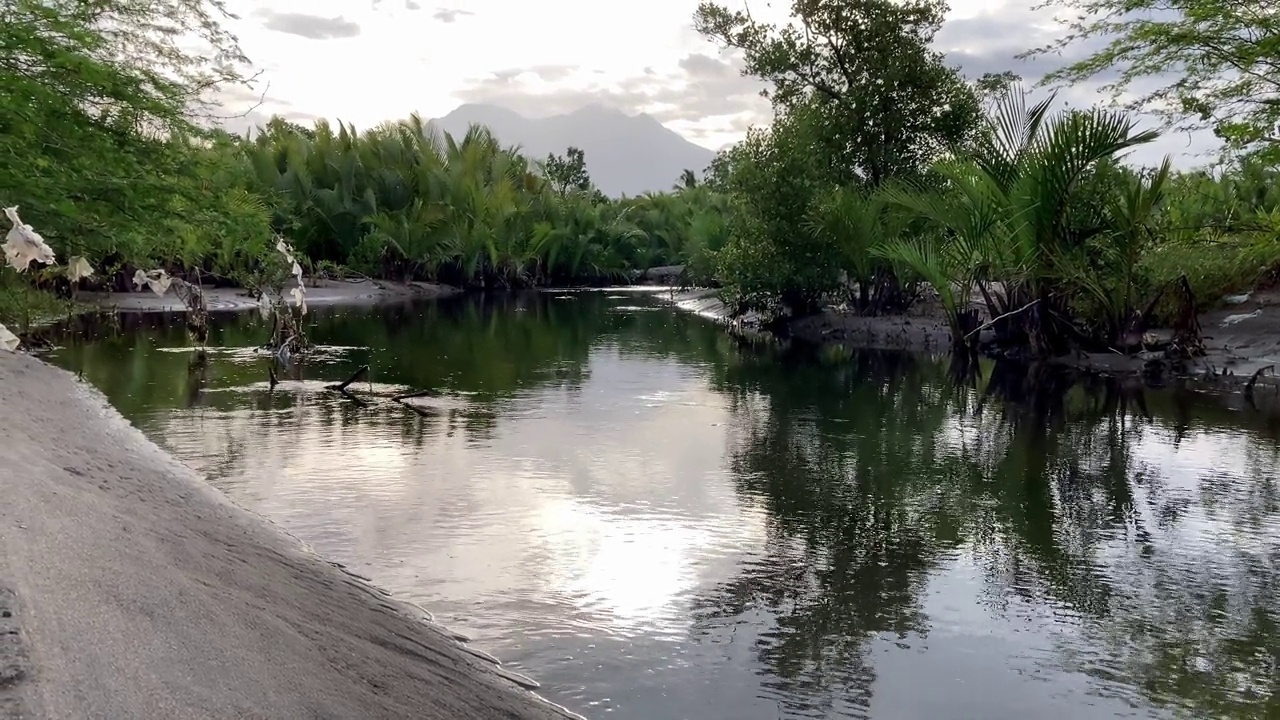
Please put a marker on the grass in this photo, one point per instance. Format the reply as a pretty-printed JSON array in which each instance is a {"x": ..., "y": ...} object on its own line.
[
  {"x": 1215, "y": 269},
  {"x": 23, "y": 307}
]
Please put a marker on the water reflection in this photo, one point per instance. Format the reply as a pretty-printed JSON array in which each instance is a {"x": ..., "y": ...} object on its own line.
[{"x": 658, "y": 522}]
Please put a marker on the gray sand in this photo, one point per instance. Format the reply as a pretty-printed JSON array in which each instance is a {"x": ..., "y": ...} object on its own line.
[{"x": 130, "y": 588}]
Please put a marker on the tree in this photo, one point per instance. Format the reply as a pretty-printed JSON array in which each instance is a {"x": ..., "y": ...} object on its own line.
[
  {"x": 99, "y": 131},
  {"x": 991, "y": 87},
  {"x": 688, "y": 181},
  {"x": 1016, "y": 210},
  {"x": 773, "y": 176},
  {"x": 568, "y": 173},
  {"x": 891, "y": 105},
  {"x": 1197, "y": 63}
]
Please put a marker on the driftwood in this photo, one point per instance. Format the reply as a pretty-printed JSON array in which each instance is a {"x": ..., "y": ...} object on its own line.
[
  {"x": 424, "y": 412},
  {"x": 418, "y": 394},
  {"x": 342, "y": 387}
]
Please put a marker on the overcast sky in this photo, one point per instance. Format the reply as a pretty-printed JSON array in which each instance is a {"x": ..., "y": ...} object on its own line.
[{"x": 365, "y": 61}]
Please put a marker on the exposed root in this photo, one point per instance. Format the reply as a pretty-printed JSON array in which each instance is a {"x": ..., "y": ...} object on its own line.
[{"x": 1188, "y": 341}]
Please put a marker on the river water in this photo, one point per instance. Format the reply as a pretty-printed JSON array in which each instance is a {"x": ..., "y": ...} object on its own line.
[{"x": 657, "y": 521}]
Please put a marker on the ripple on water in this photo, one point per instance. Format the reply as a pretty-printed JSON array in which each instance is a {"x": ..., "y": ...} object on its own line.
[{"x": 653, "y": 524}]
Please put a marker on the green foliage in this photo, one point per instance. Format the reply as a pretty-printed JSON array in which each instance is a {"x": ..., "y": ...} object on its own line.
[
  {"x": 22, "y": 305},
  {"x": 105, "y": 153},
  {"x": 568, "y": 173},
  {"x": 879, "y": 173},
  {"x": 861, "y": 100},
  {"x": 1032, "y": 214},
  {"x": 1016, "y": 211},
  {"x": 889, "y": 105},
  {"x": 98, "y": 135},
  {"x": 403, "y": 201},
  {"x": 770, "y": 263},
  {"x": 1199, "y": 63}
]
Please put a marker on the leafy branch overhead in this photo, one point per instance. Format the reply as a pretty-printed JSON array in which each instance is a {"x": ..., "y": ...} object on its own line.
[
  {"x": 868, "y": 65},
  {"x": 1197, "y": 63}
]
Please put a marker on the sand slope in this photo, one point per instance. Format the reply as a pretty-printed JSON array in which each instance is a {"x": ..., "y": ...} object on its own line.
[{"x": 129, "y": 588}]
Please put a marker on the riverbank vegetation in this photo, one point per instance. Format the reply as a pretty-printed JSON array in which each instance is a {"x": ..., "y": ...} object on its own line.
[
  {"x": 109, "y": 156},
  {"x": 886, "y": 176}
]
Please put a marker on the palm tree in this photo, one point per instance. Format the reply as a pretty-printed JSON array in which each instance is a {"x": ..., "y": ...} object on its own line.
[
  {"x": 1007, "y": 214},
  {"x": 688, "y": 181}
]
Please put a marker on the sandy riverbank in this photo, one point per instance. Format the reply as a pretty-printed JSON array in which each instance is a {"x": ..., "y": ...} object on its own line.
[
  {"x": 130, "y": 588},
  {"x": 324, "y": 292}
]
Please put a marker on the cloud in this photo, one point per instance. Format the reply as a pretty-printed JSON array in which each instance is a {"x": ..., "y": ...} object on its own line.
[
  {"x": 703, "y": 89},
  {"x": 446, "y": 15},
  {"x": 660, "y": 66},
  {"x": 312, "y": 27},
  {"x": 989, "y": 42},
  {"x": 553, "y": 73}
]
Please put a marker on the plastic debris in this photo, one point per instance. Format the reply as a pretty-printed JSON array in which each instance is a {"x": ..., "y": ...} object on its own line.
[
  {"x": 1230, "y": 320},
  {"x": 158, "y": 280},
  {"x": 78, "y": 269},
  {"x": 8, "y": 341},
  {"x": 23, "y": 244}
]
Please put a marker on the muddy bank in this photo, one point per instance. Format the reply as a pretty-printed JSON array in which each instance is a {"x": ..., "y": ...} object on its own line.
[
  {"x": 923, "y": 329},
  {"x": 1239, "y": 340},
  {"x": 131, "y": 588},
  {"x": 324, "y": 292}
]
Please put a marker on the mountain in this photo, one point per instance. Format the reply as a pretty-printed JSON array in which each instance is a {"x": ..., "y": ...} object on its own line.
[{"x": 626, "y": 154}]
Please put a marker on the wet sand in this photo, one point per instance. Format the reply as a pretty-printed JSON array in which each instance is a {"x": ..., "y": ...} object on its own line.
[{"x": 130, "y": 588}]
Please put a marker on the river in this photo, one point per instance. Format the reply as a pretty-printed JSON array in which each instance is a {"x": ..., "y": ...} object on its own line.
[{"x": 657, "y": 521}]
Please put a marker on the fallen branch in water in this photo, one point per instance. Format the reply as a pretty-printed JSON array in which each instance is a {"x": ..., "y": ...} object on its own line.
[
  {"x": 418, "y": 394},
  {"x": 1248, "y": 388},
  {"x": 424, "y": 412},
  {"x": 342, "y": 388},
  {"x": 995, "y": 320},
  {"x": 354, "y": 398}
]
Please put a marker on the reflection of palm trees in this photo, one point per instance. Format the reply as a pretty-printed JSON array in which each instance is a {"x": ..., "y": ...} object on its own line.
[
  {"x": 875, "y": 472},
  {"x": 851, "y": 544}
]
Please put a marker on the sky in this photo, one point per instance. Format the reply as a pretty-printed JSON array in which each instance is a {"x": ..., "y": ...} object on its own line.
[{"x": 367, "y": 61}]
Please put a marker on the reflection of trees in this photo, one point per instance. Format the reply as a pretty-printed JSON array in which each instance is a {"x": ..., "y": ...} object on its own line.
[
  {"x": 482, "y": 354},
  {"x": 486, "y": 348},
  {"x": 832, "y": 457},
  {"x": 875, "y": 470}
]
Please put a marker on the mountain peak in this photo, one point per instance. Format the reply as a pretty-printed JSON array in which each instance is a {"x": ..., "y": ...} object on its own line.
[
  {"x": 481, "y": 110},
  {"x": 625, "y": 154},
  {"x": 598, "y": 109}
]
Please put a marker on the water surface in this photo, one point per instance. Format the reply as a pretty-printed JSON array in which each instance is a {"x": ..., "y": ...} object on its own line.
[{"x": 659, "y": 522}]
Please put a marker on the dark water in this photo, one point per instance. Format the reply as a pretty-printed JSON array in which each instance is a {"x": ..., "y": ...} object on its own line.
[{"x": 657, "y": 522}]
